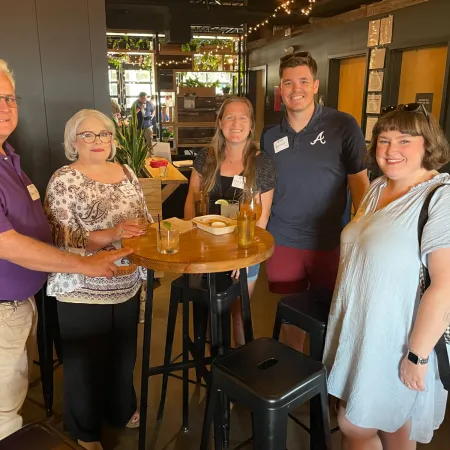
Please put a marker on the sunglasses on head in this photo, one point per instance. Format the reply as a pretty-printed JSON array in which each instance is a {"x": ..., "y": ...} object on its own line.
[
  {"x": 295, "y": 55},
  {"x": 410, "y": 107}
]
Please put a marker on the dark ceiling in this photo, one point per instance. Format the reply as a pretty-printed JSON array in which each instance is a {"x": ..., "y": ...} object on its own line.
[{"x": 158, "y": 15}]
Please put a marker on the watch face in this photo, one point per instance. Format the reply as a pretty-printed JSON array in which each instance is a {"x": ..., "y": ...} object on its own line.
[{"x": 413, "y": 358}]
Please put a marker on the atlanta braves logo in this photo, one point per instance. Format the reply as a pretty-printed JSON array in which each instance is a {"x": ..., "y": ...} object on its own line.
[{"x": 320, "y": 138}]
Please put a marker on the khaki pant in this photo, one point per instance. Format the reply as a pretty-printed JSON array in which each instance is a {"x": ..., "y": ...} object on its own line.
[
  {"x": 148, "y": 134},
  {"x": 18, "y": 322}
]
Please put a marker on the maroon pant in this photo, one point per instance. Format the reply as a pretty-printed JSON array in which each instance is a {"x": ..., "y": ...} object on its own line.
[{"x": 292, "y": 270}]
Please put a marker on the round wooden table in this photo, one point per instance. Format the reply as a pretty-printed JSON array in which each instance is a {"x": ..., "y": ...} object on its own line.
[{"x": 200, "y": 252}]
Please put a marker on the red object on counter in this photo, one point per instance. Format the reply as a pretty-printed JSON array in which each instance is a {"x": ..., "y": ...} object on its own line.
[{"x": 158, "y": 163}]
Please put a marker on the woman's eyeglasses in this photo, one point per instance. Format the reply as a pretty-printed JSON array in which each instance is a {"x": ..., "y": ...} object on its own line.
[
  {"x": 89, "y": 137},
  {"x": 294, "y": 55},
  {"x": 410, "y": 107}
]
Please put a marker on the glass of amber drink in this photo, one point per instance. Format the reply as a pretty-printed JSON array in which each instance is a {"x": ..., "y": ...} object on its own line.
[{"x": 246, "y": 222}]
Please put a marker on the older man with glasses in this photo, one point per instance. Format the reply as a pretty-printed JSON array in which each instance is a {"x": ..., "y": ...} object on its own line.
[
  {"x": 26, "y": 257},
  {"x": 318, "y": 153}
]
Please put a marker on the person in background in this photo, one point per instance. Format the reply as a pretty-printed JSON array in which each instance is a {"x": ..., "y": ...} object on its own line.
[
  {"x": 115, "y": 108},
  {"x": 153, "y": 102},
  {"x": 318, "y": 153},
  {"x": 25, "y": 258},
  {"x": 381, "y": 331},
  {"x": 91, "y": 205},
  {"x": 146, "y": 111},
  {"x": 218, "y": 169},
  {"x": 169, "y": 106}
]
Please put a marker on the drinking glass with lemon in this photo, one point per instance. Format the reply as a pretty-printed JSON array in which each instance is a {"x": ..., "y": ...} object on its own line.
[{"x": 228, "y": 208}]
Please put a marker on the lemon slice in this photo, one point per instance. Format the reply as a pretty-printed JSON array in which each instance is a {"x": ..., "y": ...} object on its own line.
[{"x": 222, "y": 202}]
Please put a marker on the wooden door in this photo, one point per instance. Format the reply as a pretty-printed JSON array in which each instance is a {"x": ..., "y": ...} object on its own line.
[
  {"x": 260, "y": 102},
  {"x": 423, "y": 72},
  {"x": 257, "y": 95},
  {"x": 351, "y": 86}
]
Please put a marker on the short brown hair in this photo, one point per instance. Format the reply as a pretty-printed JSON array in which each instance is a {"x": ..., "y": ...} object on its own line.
[
  {"x": 437, "y": 150},
  {"x": 298, "y": 59}
]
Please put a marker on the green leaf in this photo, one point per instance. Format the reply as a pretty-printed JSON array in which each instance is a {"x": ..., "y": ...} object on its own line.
[
  {"x": 167, "y": 225},
  {"x": 131, "y": 146}
]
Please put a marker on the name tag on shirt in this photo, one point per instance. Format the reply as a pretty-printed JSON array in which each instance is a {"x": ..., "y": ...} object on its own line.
[
  {"x": 34, "y": 193},
  {"x": 128, "y": 190},
  {"x": 281, "y": 144},
  {"x": 238, "y": 182}
]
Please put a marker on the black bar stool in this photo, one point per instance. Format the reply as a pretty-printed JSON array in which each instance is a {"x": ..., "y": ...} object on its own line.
[
  {"x": 217, "y": 303},
  {"x": 200, "y": 319},
  {"x": 270, "y": 379},
  {"x": 215, "y": 295},
  {"x": 308, "y": 311},
  {"x": 47, "y": 337}
]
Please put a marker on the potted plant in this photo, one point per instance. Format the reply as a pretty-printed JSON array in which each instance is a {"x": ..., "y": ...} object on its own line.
[
  {"x": 132, "y": 149},
  {"x": 131, "y": 146},
  {"x": 165, "y": 135},
  {"x": 226, "y": 89}
]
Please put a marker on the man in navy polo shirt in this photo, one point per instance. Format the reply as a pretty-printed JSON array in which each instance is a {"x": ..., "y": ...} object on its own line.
[
  {"x": 25, "y": 259},
  {"x": 319, "y": 153}
]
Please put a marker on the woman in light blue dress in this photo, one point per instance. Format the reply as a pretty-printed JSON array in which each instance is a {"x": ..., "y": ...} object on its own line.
[{"x": 375, "y": 323}]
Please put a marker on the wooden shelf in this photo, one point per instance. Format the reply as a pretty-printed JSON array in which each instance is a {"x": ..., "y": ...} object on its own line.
[{"x": 168, "y": 124}]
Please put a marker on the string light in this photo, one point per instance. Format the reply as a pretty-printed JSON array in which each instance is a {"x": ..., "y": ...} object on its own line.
[
  {"x": 284, "y": 7},
  {"x": 174, "y": 62},
  {"x": 213, "y": 52}
]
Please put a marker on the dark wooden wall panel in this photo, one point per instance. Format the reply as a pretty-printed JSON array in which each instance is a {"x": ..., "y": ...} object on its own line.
[
  {"x": 57, "y": 49},
  {"x": 20, "y": 48}
]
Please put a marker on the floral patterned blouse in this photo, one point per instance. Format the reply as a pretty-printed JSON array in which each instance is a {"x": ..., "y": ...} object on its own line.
[{"x": 75, "y": 205}]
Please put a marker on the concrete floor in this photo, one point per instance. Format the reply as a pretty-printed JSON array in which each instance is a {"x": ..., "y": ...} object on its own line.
[{"x": 168, "y": 436}]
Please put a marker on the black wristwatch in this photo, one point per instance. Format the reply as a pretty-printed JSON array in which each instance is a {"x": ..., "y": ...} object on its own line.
[{"x": 417, "y": 360}]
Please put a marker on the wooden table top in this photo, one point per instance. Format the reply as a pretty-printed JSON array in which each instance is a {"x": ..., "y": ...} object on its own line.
[
  {"x": 174, "y": 176},
  {"x": 200, "y": 252}
]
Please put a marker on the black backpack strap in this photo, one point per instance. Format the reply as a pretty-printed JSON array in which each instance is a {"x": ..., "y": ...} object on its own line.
[{"x": 441, "y": 346}]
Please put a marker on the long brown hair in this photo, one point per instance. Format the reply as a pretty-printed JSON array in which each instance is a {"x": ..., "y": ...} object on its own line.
[{"x": 216, "y": 153}]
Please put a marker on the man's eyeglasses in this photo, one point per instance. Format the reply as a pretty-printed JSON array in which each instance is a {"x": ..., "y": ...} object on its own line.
[
  {"x": 89, "y": 137},
  {"x": 10, "y": 100},
  {"x": 410, "y": 107},
  {"x": 294, "y": 55}
]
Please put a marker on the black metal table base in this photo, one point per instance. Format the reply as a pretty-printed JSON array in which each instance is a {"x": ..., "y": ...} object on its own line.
[{"x": 219, "y": 346}]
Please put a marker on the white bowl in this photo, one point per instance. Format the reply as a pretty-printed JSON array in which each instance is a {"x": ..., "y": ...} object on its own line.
[{"x": 217, "y": 225}]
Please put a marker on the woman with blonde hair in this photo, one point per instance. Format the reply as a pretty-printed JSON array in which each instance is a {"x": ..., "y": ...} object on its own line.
[
  {"x": 382, "y": 330},
  {"x": 220, "y": 171},
  {"x": 91, "y": 205}
]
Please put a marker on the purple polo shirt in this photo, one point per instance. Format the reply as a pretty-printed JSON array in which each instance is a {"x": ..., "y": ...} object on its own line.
[{"x": 19, "y": 212}]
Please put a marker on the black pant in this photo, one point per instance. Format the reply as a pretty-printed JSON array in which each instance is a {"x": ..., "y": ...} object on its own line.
[{"x": 99, "y": 347}]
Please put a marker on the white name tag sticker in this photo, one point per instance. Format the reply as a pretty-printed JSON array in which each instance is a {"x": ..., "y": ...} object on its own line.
[
  {"x": 281, "y": 144},
  {"x": 128, "y": 190},
  {"x": 34, "y": 193},
  {"x": 238, "y": 182}
]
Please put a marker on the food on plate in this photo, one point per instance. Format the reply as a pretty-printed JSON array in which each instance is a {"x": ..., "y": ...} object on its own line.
[{"x": 216, "y": 224}]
